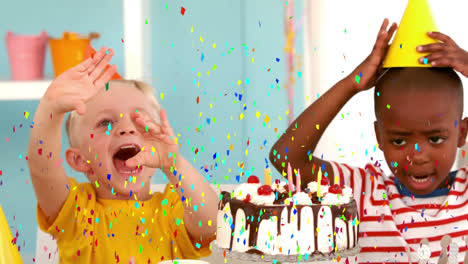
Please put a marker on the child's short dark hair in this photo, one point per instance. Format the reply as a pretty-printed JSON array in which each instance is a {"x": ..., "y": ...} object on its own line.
[{"x": 421, "y": 79}]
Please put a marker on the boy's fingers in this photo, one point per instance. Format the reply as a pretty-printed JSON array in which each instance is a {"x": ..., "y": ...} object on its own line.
[
  {"x": 441, "y": 36},
  {"x": 165, "y": 122},
  {"x": 97, "y": 58},
  {"x": 431, "y": 47},
  {"x": 443, "y": 62},
  {"x": 432, "y": 57},
  {"x": 384, "y": 26},
  {"x": 392, "y": 30},
  {"x": 147, "y": 125},
  {"x": 101, "y": 65},
  {"x": 138, "y": 159},
  {"x": 83, "y": 67},
  {"x": 105, "y": 78}
]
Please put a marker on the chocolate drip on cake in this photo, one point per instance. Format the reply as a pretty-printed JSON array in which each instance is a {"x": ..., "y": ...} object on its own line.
[{"x": 255, "y": 214}]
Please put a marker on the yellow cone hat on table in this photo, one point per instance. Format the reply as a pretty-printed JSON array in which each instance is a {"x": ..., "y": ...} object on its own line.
[{"x": 412, "y": 32}]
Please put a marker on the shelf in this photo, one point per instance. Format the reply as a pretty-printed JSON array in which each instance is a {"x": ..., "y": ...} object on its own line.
[{"x": 23, "y": 90}]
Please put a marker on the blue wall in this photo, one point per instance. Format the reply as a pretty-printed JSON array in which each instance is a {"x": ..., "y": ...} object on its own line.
[{"x": 236, "y": 27}]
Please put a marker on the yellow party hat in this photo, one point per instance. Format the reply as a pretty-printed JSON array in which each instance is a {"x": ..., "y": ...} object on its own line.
[{"x": 412, "y": 32}]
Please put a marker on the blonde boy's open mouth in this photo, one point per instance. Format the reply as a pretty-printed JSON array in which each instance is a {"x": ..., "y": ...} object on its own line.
[{"x": 124, "y": 153}]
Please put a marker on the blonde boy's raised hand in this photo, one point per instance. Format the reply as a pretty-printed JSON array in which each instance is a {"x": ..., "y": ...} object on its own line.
[
  {"x": 160, "y": 147},
  {"x": 365, "y": 75},
  {"x": 73, "y": 88},
  {"x": 445, "y": 54}
]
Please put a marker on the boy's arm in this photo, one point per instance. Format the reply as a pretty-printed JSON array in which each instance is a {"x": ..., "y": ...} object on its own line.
[
  {"x": 197, "y": 191},
  {"x": 315, "y": 119},
  {"x": 310, "y": 126},
  {"x": 69, "y": 91},
  {"x": 47, "y": 172}
]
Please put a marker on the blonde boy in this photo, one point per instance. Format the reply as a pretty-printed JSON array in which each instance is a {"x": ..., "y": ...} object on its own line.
[{"x": 118, "y": 138}]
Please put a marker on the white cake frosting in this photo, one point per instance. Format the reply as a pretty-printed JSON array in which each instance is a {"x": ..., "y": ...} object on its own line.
[
  {"x": 246, "y": 188},
  {"x": 301, "y": 198},
  {"x": 338, "y": 199},
  {"x": 312, "y": 186},
  {"x": 262, "y": 199}
]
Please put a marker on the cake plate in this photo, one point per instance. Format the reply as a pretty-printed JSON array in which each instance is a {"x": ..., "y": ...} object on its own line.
[{"x": 239, "y": 257}]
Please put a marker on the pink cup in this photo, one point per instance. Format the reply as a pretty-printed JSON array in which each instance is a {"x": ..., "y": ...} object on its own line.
[{"x": 26, "y": 54}]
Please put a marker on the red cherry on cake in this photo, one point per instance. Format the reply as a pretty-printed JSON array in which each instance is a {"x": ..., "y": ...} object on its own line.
[
  {"x": 264, "y": 190},
  {"x": 335, "y": 189},
  {"x": 324, "y": 181},
  {"x": 253, "y": 179},
  {"x": 247, "y": 198}
]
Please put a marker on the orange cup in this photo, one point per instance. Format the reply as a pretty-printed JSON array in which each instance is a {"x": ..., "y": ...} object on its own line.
[{"x": 68, "y": 51}]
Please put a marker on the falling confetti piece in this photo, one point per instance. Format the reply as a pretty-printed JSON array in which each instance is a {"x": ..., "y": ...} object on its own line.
[
  {"x": 357, "y": 78},
  {"x": 267, "y": 119},
  {"x": 107, "y": 86},
  {"x": 182, "y": 11},
  {"x": 162, "y": 96},
  {"x": 317, "y": 126},
  {"x": 388, "y": 106}
]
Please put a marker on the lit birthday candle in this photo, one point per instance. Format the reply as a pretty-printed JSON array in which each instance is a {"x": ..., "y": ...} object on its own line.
[
  {"x": 298, "y": 181},
  {"x": 319, "y": 180},
  {"x": 267, "y": 176},
  {"x": 290, "y": 180}
]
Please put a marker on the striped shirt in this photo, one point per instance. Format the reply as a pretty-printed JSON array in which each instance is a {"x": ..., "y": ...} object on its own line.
[{"x": 392, "y": 224}]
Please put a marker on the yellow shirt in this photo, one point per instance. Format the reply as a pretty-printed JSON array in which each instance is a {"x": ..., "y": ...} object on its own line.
[
  {"x": 8, "y": 249},
  {"x": 93, "y": 230}
]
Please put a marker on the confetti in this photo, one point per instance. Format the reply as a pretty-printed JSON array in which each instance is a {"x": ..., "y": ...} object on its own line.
[
  {"x": 26, "y": 114},
  {"x": 357, "y": 78},
  {"x": 182, "y": 11}
]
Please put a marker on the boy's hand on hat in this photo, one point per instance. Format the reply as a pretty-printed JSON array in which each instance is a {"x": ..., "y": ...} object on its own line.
[
  {"x": 365, "y": 75},
  {"x": 444, "y": 54},
  {"x": 73, "y": 88},
  {"x": 160, "y": 147}
]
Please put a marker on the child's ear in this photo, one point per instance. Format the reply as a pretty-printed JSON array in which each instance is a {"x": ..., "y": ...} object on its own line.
[
  {"x": 76, "y": 161},
  {"x": 463, "y": 131},
  {"x": 377, "y": 134}
]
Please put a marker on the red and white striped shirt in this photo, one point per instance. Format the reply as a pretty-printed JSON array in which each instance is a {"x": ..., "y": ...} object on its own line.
[{"x": 390, "y": 224}]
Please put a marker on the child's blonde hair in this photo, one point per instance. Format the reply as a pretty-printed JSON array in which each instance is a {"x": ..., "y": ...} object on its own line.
[{"x": 145, "y": 88}]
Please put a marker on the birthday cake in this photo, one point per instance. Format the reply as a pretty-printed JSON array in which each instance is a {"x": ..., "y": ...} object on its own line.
[{"x": 278, "y": 220}]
